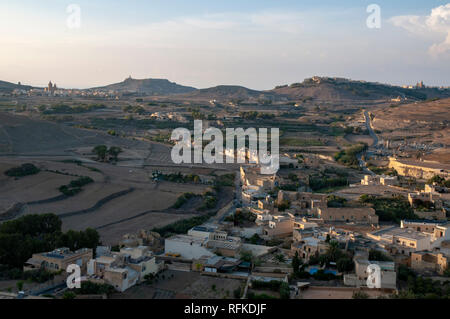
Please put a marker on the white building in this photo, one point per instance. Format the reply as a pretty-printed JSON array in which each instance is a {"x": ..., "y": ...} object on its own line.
[{"x": 188, "y": 247}]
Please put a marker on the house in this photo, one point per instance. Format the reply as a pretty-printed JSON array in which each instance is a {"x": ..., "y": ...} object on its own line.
[
  {"x": 124, "y": 269},
  {"x": 142, "y": 238},
  {"x": 426, "y": 261},
  {"x": 229, "y": 246},
  {"x": 402, "y": 241},
  {"x": 59, "y": 259},
  {"x": 300, "y": 234},
  {"x": 287, "y": 162},
  {"x": 216, "y": 264},
  {"x": 427, "y": 226},
  {"x": 121, "y": 278},
  {"x": 428, "y": 200},
  {"x": 379, "y": 180},
  {"x": 435, "y": 189},
  {"x": 201, "y": 231},
  {"x": 252, "y": 176},
  {"x": 188, "y": 247},
  {"x": 280, "y": 226},
  {"x": 303, "y": 224},
  {"x": 203, "y": 241},
  {"x": 308, "y": 247},
  {"x": 359, "y": 278},
  {"x": 303, "y": 201},
  {"x": 363, "y": 215}
]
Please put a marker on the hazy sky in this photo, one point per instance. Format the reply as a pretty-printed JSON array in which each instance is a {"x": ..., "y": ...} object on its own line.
[{"x": 255, "y": 43}]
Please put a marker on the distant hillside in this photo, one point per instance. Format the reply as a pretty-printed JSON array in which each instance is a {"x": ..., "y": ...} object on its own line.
[
  {"x": 22, "y": 135},
  {"x": 230, "y": 93},
  {"x": 8, "y": 86},
  {"x": 147, "y": 86},
  {"x": 338, "y": 89}
]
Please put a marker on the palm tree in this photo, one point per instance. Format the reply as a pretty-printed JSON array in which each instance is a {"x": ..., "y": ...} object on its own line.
[{"x": 333, "y": 252}]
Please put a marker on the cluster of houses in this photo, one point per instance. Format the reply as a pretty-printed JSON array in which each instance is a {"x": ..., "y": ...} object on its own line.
[
  {"x": 169, "y": 116},
  {"x": 299, "y": 218},
  {"x": 122, "y": 269}
]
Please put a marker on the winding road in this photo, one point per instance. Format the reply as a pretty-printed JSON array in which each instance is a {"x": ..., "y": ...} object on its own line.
[{"x": 362, "y": 163}]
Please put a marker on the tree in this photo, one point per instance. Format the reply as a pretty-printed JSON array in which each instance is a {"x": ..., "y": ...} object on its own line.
[
  {"x": 101, "y": 151},
  {"x": 360, "y": 295},
  {"x": 69, "y": 295},
  {"x": 333, "y": 250},
  {"x": 377, "y": 255},
  {"x": 114, "y": 151},
  {"x": 296, "y": 263},
  {"x": 255, "y": 239},
  {"x": 19, "y": 285},
  {"x": 246, "y": 256},
  {"x": 344, "y": 264},
  {"x": 280, "y": 258}
]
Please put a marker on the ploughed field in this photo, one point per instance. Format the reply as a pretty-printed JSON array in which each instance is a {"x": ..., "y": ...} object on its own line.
[
  {"x": 426, "y": 123},
  {"x": 119, "y": 201}
]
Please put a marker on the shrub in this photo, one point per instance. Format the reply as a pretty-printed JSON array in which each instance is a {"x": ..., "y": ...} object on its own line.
[{"x": 23, "y": 170}]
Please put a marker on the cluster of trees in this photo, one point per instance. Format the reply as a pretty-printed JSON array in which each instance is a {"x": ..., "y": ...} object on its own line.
[
  {"x": 274, "y": 285},
  {"x": 22, "y": 170},
  {"x": 439, "y": 181},
  {"x": 377, "y": 255},
  {"x": 75, "y": 186},
  {"x": 67, "y": 109},
  {"x": 418, "y": 287},
  {"x": 91, "y": 288},
  {"x": 348, "y": 157},
  {"x": 335, "y": 201},
  {"x": 289, "y": 187},
  {"x": 318, "y": 183},
  {"x": 36, "y": 275},
  {"x": 162, "y": 138},
  {"x": 209, "y": 201},
  {"x": 178, "y": 177},
  {"x": 197, "y": 115},
  {"x": 30, "y": 234},
  {"x": 102, "y": 152},
  {"x": 136, "y": 109},
  {"x": 225, "y": 180},
  {"x": 253, "y": 115},
  {"x": 390, "y": 209},
  {"x": 343, "y": 260},
  {"x": 383, "y": 170},
  {"x": 183, "y": 198},
  {"x": 182, "y": 226},
  {"x": 285, "y": 204},
  {"x": 240, "y": 217}
]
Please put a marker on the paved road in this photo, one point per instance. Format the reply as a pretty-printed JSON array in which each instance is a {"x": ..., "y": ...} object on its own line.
[
  {"x": 236, "y": 200},
  {"x": 370, "y": 129},
  {"x": 362, "y": 163}
]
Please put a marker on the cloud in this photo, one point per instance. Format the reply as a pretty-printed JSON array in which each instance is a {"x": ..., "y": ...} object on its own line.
[{"x": 435, "y": 24}]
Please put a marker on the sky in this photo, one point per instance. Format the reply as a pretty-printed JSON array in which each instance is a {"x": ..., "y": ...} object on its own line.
[{"x": 255, "y": 43}]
